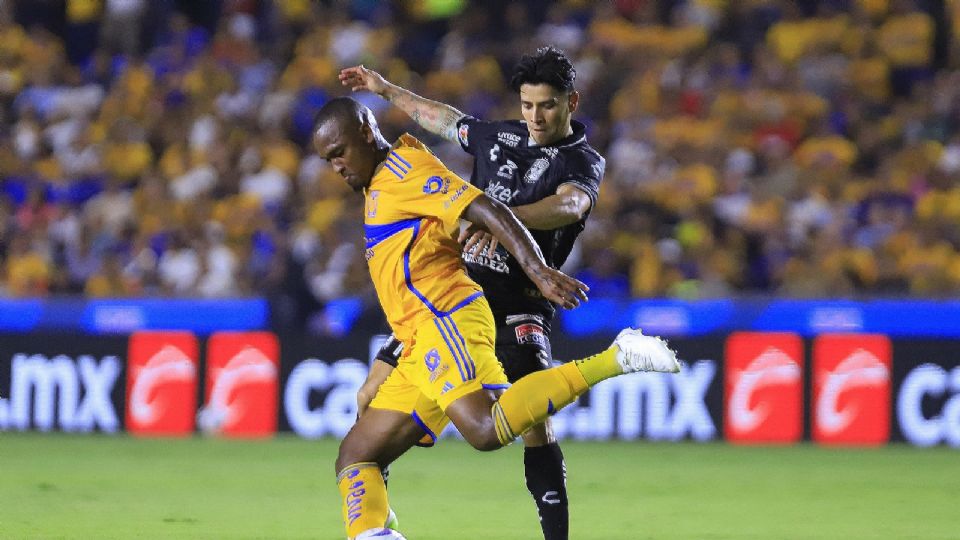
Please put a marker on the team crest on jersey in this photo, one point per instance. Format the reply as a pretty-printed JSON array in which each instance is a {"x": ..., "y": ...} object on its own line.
[
  {"x": 536, "y": 170},
  {"x": 597, "y": 169},
  {"x": 372, "y": 197},
  {"x": 509, "y": 139},
  {"x": 464, "y": 135}
]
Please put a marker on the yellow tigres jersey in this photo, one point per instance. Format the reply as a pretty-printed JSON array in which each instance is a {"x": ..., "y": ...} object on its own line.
[{"x": 411, "y": 221}]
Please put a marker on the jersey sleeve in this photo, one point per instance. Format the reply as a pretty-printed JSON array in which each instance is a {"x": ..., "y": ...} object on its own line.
[
  {"x": 472, "y": 134},
  {"x": 430, "y": 189},
  {"x": 585, "y": 171}
]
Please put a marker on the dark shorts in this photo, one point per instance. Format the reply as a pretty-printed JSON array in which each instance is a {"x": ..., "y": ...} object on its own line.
[{"x": 523, "y": 345}]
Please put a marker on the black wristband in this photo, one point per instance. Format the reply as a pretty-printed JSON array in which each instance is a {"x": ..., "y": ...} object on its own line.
[{"x": 390, "y": 351}]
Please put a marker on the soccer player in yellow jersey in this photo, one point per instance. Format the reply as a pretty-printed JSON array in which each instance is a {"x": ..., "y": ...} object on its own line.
[{"x": 448, "y": 371}]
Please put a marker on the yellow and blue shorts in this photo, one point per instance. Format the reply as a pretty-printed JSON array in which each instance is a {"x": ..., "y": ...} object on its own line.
[{"x": 447, "y": 358}]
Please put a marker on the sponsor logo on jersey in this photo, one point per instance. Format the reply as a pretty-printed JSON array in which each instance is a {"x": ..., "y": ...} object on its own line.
[
  {"x": 456, "y": 195},
  {"x": 530, "y": 333},
  {"x": 536, "y": 170},
  {"x": 851, "y": 389},
  {"x": 497, "y": 263},
  {"x": 242, "y": 384},
  {"x": 509, "y": 139},
  {"x": 431, "y": 359},
  {"x": 508, "y": 169},
  {"x": 162, "y": 383},
  {"x": 434, "y": 184},
  {"x": 436, "y": 369},
  {"x": 464, "y": 135},
  {"x": 501, "y": 192},
  {"x": 764, "y": 387}
]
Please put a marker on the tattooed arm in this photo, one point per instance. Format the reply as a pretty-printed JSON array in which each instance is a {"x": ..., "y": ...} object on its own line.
[{"x": 433, "y": 116}]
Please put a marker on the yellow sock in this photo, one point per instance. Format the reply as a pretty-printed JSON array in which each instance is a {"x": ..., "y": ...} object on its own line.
[
  {"x": 600, "y": 366},
  {"x": 364, "y": 498},
  {"x": 533, "y": 398}
]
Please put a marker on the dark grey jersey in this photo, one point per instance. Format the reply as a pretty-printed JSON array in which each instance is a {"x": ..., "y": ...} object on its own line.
[{"x": 514, "y": 171}]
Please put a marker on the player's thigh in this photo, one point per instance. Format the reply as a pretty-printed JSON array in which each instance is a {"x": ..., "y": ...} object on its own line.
[
  {"x": 380, "y": 435},
  {"x": 402, "y": 393}
]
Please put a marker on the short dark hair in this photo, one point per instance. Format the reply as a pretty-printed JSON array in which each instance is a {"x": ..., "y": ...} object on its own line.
[
  {"x": 344, "y": 110},
  {"x": 548, "y": 65}
]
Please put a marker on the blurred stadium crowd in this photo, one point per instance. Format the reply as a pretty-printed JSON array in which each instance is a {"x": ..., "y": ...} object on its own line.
[{"x": 798, "y": 148}]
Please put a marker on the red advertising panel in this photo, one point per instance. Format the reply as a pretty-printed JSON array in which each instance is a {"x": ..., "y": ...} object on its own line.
[
  {"x": 851, "y": 389},
  {"x": 763, "y": 388},
  {"x": 162, "y": 383},
  {"x": 242, "y": 384}
]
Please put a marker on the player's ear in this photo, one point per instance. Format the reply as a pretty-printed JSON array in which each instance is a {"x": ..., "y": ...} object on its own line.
[
  {"x": 366, "y": 131},
  {"x": 573, "y": 100}
]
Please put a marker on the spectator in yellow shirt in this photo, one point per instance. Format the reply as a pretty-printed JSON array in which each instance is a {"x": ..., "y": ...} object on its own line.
[
  {"x": 906, "y": 39},
  {"x": 28, "y": 272}
]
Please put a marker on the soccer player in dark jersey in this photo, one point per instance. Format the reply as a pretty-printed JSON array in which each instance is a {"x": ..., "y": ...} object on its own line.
[{"x": 544, "y": 169}]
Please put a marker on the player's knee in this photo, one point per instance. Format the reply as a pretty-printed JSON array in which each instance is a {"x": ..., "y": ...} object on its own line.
[
  {"x": 484, "y": 440},
  {"x": 350, "y": 452}
]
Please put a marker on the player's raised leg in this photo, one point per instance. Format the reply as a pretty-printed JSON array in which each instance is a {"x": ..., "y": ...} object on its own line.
[{"x": 534, "y": 398}]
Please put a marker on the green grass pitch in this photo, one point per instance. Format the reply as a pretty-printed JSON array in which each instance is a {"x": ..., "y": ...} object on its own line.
[{"x": 99, "y": 487}]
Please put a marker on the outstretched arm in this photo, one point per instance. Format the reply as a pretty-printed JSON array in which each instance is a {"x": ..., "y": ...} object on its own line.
[
  {"x": 500, "y": 221},
  {"x": 433, "y": 116}
]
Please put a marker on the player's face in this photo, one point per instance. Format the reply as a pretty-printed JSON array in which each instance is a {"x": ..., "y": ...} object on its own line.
[
  {"x": 350, "y": 152},
  {"x": 547, "y": 111}
]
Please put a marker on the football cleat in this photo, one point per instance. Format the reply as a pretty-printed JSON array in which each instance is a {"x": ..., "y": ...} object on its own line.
[
  {"x": 392, "y": 521},
  {"x": 637, "y": 352},
  {"x": 380, "y": 534}
]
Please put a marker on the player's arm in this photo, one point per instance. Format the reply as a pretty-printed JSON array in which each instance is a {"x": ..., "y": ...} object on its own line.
[
  {"x": 433, "y": 116},
  {"x": 568, "y": 205},
  {"x": 500, "y": 221}
]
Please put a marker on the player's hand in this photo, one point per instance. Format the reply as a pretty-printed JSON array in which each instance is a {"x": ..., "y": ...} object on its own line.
[
  {"x": 361, "y": 78},
  {"x": 474, "y": 237},
  {"x": 558, "y": 287}
]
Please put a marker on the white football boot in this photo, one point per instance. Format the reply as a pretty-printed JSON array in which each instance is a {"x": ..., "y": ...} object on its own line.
[
  {"x": 392, "y": 521},
  {"x": 638, "y": 352}
]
